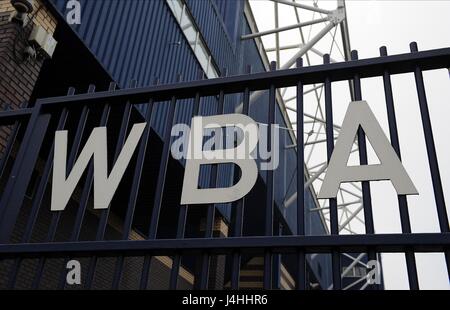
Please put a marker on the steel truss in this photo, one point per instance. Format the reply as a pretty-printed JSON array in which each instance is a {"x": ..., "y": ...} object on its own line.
[
  {"x": 41, "y": 120},
  {"x": 327, "y": 21}
]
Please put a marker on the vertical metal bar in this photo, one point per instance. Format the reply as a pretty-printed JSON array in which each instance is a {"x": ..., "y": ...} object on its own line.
[
  {"x": 70, "y": 163},
  {"x": 135, "y": 186},
  {"x": 157, "y": 204},
  {"x": 138, "y": 173},
  {"x": 301, "y": 262},
  {"x": 120, "y": 141},
  {"x": 118, "y": 150},
  {"x": 56, "y": 216},
  {"x": 101, "y": 230},
  {"x": 269, "y": 183},
  {"x": 103, "y": 122},
  {"x": 26, "y": 237},
  {"x": 145, "y": 272},
  {"x": 362, "y": 148},
  {"x": 9, "y": 147},
  {"x": 14, "y": 193},
  {"x": 174, "y": 272},
  {"x": 431, "y": 151},
  {"x": 239, "y": 207},
  {"x": 87, "y": 189},
  {"x": 367, "y": 201},
  {"x": 209, "y": 225},
  {"x": 277, "y": 34},
  {"x": 88, "y": 184},
  {"x": 431, "y": 148},
  {"x": 334, "y": 221},
  {"x": 276, "y": 258},
  {"x": 163, "y": 169},
  {"x": 82, "y": 206},
  {"x": 447, "y": 261},
  {"x": 85, "y": 194},
  {"x": 402, "y": 201},
  {"x": 182, "y": 216}
]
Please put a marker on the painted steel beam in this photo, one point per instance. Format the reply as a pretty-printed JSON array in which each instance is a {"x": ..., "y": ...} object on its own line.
[
  {"x": 285, "y": 28},
  {"x": 303, "y": 6},
  {"x": 371, "y": 67},
  {"x": 392, "y": 243}
]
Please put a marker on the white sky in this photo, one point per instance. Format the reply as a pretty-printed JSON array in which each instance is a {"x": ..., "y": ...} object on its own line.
[{"x": 394, "y": 24}]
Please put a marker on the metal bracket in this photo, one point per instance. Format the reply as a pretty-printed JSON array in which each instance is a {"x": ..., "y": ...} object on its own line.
[{"x": 337, "y": 16}]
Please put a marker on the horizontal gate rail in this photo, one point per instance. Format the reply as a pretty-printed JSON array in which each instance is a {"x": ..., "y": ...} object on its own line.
[
  {"x": 365, "y": 68},
  {"x": 387, "y": 243},
  {"x": 35, "y": 124},
  {"x": 9, "y": 117}
]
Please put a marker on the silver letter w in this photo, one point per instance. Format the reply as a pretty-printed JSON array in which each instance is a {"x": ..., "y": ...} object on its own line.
[{"x": 104, "y": 187}]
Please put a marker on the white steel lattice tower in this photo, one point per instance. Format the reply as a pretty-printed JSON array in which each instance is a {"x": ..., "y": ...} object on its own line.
[{"x": 285, "y": 30}]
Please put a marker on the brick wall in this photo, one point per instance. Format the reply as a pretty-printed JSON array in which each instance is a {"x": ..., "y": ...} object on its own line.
[
  {"x": 5, "y": 6},
  {"x": 160, "y": 267},
  {"x": 43, "y": 16},
  {"x": 17, "y": 81},
  {"x": 18, "y": 76}
]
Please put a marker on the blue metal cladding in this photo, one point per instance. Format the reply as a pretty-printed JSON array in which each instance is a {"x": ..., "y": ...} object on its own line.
[
  {"x": 135, "y": 39},
  {"x": 230, "y": 11},
  {"x": 141, "y": 40},
  {"x": 211, "y": 25}
]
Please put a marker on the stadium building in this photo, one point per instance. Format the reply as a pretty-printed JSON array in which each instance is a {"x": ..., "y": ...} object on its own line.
[{"x": 114, "y": 53}]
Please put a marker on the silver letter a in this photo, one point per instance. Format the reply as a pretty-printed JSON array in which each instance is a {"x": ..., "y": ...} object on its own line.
[{"x": 360, "y": 114}]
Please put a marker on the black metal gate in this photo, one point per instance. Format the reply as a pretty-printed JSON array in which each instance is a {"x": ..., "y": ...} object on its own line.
[{"x": 28, "y": 159}]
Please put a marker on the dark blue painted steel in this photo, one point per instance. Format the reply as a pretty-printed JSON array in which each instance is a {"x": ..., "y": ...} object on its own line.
[{"x": 141, "y": 40}]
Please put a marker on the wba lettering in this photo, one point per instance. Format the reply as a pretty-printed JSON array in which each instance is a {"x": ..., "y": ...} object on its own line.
[
  {"x": 360, "y": 114},
  {"x": 241, "y": 156},
  {"x": 105, "y": 186},
  {"x": 63, "y": 186}
]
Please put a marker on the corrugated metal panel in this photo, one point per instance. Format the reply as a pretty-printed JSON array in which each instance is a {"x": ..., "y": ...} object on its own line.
[
  {"x": 230, "y": 10},
  {"x": 140, "y": 39},
  {"x": 213, "y": 30},
  {"x": 137, "y": 39}
]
